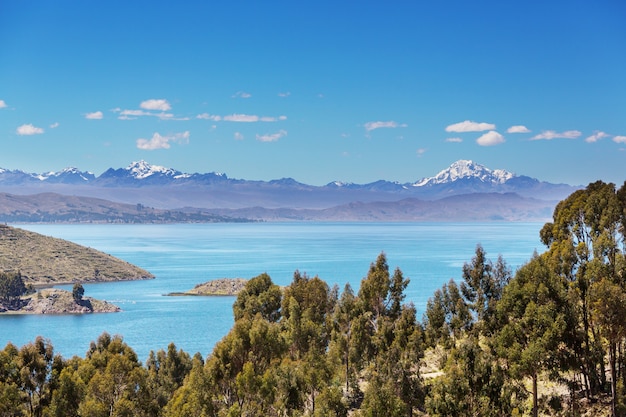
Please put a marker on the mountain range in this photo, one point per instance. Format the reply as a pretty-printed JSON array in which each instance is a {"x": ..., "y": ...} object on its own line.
[{"x": 464, "y": 181}]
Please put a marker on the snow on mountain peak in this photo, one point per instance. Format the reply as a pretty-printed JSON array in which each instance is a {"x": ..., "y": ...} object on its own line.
[
  {"x": 142, "y": 169},
  {"x": 465, "y": 169}
]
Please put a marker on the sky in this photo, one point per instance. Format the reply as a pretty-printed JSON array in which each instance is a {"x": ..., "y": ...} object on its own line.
[{"x": 319, "y": 91}]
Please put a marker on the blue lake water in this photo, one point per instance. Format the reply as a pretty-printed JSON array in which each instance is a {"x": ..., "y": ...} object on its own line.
[{"x": 183, "y": 255}]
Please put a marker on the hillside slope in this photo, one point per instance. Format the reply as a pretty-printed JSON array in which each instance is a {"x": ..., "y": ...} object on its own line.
[{"x": 44, "y": 260}]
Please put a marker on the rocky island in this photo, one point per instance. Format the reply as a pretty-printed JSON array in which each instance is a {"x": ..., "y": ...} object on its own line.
[{"x": 222, "y": 286}]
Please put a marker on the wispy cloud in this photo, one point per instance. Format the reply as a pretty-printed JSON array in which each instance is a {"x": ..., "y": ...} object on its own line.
[
  {"x": 251, "y": 118},
  {"x": 29, "y": 129},
  {"x": 162, "y": 142},
  {"x": 54, "y": 125},
  {"x": 156, "y": 104},
  {"x": 619, "y": 139},
  {"x": 285, "y": 94},
  {"x": 97, "y": 115},
  {"x": 518, "y": 129},
  {"x": 242, "y": 94},
  {"x": 134, "y": 114},
  {"x": 454, "y": 140},
  {"x": 3, "y": 104},
  {"x": 272, "y": 137},
  {"x": 596, "y": 137},
  {"x": 369, "y": 126},
  {"x": 490, "y": 139},
  {"x": 238, "y": 136},
  {"x": 420, "y": 152},
  {"x": 551, "y": 134},
  {"x": 470, "y": 126},
  {"x": 207, "y": 116}
]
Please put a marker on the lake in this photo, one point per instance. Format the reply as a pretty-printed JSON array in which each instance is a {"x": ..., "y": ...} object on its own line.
[{"x": 183, "y": 255}]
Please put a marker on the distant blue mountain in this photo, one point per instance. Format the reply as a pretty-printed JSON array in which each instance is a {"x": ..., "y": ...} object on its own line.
[{"x": 157, "y": 186}]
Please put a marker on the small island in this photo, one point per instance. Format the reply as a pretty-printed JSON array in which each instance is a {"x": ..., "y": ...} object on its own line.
[{"x": 217, "y": 287}]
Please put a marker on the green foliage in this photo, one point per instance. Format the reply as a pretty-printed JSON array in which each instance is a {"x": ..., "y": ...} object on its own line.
[
  {"x": 260, "y": 295},
  {"x": 12, "y": 287},
  {"x": 474, "y": 384},
  {"x": 78, "y": 292},
  {"x": 537, "y": 319}
]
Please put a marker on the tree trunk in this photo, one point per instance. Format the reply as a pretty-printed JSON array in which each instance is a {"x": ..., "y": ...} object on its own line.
[
  {"x": 612, "y": 359},
  {"x": 535, "y": 407}
]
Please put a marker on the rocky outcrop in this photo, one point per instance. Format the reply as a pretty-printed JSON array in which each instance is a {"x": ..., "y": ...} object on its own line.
[
  {"x": 223, "y": 286},
  {"x": 55, "y": 301}
]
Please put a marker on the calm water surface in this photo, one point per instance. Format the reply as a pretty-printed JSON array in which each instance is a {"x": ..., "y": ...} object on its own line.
[{"x": 181, "y": 256}]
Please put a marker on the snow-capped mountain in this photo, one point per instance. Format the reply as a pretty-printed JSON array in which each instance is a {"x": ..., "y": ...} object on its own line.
[
  {"x": 466, "y": 170},
  {"x": 69, "y": 175},
  {"x": 162, "y": 187}
]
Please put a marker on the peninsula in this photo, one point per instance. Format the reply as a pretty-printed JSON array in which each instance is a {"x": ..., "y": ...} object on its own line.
[
  {"x": 46, "y": 261},
  {"x": 30, "y": 260}
]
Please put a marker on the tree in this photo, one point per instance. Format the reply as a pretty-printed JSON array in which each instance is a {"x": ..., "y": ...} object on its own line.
[
  {"x": 482, "y": 287},
  {"x": 536, "y": 320},
  {"x": 77, "y": 292},
  {"x": 260, "y": 295},
  {"x": 447, "y": 314},
  {"x": 11, "y": 288},
  {"x": 608, "y": 304},
  {"x": 35, "y": 363},
  {"x": 473, "y": 384},
  {"x": 584, "y": 247}
]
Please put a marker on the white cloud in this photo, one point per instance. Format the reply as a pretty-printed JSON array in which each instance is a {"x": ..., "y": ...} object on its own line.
[
  {"x": 420, "y": 152},
  {"x": 273, "y": 137},
  {"x": 97, "y": 115},
  {"x": 469, "y": 126},
  {"x": 29, "y": 129},
  {"x": 207, "y": 116},
  {"x": 238, "y": 136},
  {"x": 490, "y": 139},
  {"x": 369, "y": 126},
  {"x": 454, "y": 140},
  {"x": 3, "y": 104},
  {"x": 242, "y": 94},
  {"x": 54, "y": 125},
  {"x": 285, "y": 94},
  {"x": 596, "y": 137},
  {"x": 246, "y": 118},
  {"x": 162, "y": 142},
  {"x": 551, "y": 134},
  {"x": 156, "y": 104},
  {"x": 518, "y": 129},
  {"x": 619, "y": 139},
  {"x": 134, "y": 114}
]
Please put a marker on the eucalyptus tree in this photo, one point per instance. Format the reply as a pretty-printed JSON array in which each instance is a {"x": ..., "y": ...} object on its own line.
[
  {"x": 482, "y": 287},
  {"x": 537, "y": 320},
  {"x": 586, "y": 245}
]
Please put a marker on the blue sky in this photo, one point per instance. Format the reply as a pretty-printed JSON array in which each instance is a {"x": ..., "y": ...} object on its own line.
[{"x": 317, "y": 91}]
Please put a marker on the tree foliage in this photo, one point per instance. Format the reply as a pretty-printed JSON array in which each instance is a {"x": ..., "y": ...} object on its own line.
[{"x": 12, "y": 287}]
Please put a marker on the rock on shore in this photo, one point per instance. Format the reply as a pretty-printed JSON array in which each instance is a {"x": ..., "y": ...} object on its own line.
[{"x": 56, "y": 301}]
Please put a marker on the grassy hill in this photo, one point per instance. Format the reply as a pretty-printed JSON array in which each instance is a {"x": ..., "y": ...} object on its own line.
[{"x": 45, "y": 260}]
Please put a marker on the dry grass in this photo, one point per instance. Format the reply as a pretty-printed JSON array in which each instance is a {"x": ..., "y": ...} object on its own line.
[{"x": 44, "y": 260}]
